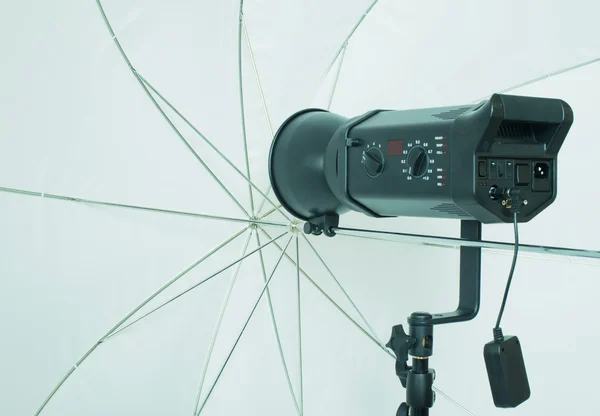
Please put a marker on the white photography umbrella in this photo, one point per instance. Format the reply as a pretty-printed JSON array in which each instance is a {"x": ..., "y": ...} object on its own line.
[{"x": 147, "y": 267}]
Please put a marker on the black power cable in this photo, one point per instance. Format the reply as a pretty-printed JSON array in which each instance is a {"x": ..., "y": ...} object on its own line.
[
  {"x": 498, "y": 336},
  {"x": 512, "y": 200}
]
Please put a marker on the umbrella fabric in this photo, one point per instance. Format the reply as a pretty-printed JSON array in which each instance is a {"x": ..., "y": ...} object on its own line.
[{"x": 125, "y": 149}]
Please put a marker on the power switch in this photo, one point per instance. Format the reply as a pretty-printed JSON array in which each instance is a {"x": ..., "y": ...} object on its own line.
[
  {"x": 523, "y": 176},
  {"x": 501, "y": 168},
  {"x": 482, "y": 169}
]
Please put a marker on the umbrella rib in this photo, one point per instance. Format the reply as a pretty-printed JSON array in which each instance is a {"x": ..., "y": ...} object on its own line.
[
  {"x": 344, "y": 45},
  {"x": 242, "y": 110},
  {"x": 454, "y": 402},
  {"x": 333, "y": 302},
  {"x": 219, "y": 322},
  {"x": 130, "y": 314},
  {"x": 543, "y": 77},
  {"x": 264, "y": 103},
  {"x": 267, "y": 192},
  {"x": 258, "y": 81},
  {"x": 301, "y": 382},
  {"x": 137, "y": 207},
  {"x": 276, "y": 331},
  {"x": 162, "y": 112},
  {"x": 189, "y": 289},
  {"x": 457, "y": 242},
  {"x": 337, "y": 77},
  {"x": 343, "y": 290},
  {"x": 359, "y": 327},
  {"x": 272, "y": 210},
  {"x": 203, "y": 137},
  {"x": 245, "y": 326}
]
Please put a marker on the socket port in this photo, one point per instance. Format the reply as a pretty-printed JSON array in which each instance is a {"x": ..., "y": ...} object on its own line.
[{"x": 541, "y": 170}]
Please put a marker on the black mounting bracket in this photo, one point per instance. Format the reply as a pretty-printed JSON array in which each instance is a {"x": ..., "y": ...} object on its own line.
[
  {"x": 470, "y": 278},
  {"x": 322, "y": 225},
  {"x": 418, "y": 378}
]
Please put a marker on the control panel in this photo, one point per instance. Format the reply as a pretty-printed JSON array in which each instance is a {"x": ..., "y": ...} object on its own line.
[
  {"x": 424, "y": 160},
  {"x": 525, "y": 173},
  {"x": 529, "y": 175}
]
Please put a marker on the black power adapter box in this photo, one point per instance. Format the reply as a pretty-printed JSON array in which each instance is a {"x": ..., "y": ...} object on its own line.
[{"x": 506, "y": 372}]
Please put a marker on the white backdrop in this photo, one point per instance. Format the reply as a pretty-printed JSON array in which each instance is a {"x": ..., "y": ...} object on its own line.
[{"x": 76, "y": 122}]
